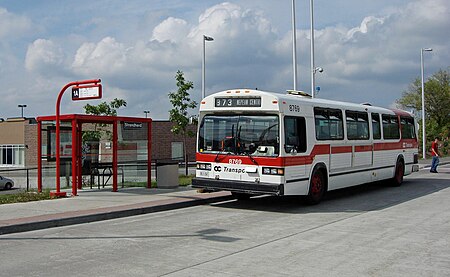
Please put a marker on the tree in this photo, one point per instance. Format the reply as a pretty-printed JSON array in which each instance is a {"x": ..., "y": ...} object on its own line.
[
  {"x": 181, "y": 102},
  {"x": 105, "y": 108},
  {"x": 109, "y": 109},
  {"x": 437, "y": 103}
]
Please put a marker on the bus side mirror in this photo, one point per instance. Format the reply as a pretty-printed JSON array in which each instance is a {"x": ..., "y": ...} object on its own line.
[
  {"x": 262, "y": 149},
  {"x": 290, "y": 148}
]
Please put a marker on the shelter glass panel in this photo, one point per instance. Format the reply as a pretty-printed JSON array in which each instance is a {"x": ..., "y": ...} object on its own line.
[{"x": 132, "y": 154}]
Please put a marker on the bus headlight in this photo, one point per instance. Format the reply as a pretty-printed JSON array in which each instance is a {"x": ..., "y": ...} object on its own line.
[
  {"x": 273, "y": 171},
  {"x": 204, "y": 166}
]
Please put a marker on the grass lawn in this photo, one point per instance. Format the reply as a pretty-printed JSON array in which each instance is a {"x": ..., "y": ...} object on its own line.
[{"x": 24, "y": 196}]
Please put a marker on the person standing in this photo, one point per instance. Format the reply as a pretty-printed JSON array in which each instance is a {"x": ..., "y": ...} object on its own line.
[{"x": 435, "y": 154}]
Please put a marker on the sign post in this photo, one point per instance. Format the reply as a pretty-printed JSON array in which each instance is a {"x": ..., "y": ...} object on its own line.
[{"x": 87, "y": 89}]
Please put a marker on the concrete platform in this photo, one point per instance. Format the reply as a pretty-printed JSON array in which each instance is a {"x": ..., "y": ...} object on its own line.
[{"x": 95, "y": 205}]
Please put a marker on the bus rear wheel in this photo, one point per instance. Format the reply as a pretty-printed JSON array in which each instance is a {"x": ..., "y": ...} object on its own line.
[
  {"x": 399, "y": 172},
  {"x": 317, "y": 188}
]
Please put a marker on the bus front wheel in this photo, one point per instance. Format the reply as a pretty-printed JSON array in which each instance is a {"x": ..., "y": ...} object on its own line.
[{"x": 317, "y": 187}]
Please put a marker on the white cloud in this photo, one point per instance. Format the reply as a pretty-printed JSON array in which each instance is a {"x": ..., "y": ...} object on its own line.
[
  {"x": 106, "y": 57},
  {"x": 44, "y": 56},
  {"x": 172, "y": 29},
  {"x": 12, "y": 25},
  {"x": 368, "y": 22},
  {"x": 231, "y": 21}
]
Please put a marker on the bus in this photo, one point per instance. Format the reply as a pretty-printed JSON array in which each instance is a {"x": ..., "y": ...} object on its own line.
[{"x": 251, "y": 142}]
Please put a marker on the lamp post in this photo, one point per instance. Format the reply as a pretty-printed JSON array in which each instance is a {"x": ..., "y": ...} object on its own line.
[
  {"x": 423, "y": 102},
  {"x": 205, "y": 38},
  {"x": 294, "y": 46},
  {"x": 313, "y": 82},
  {"x": 146, "y": 113},
  {"x": 21, "y": 107},
  {"x": 313, "y": 67}
]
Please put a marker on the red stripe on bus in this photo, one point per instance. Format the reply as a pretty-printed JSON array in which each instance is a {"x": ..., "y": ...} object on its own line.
[
  {"x": 341, "y": 149},
  {"x": 299, "y": 159},
  {"x": 223, "y": 158},
  {"x": 321, "y": 149},
  {"x": 403, "y": 144},
  {"x": 363, "y": 148}
]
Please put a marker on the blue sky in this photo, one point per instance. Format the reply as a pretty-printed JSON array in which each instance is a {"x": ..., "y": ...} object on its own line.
[{"x": 370, "y": 50}]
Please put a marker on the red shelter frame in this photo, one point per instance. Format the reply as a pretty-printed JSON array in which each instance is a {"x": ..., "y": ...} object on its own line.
[{"x": 77, "y": 121}]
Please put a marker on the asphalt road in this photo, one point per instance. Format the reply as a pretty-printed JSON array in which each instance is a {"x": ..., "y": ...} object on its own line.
[{"x": 370, "y": 230}]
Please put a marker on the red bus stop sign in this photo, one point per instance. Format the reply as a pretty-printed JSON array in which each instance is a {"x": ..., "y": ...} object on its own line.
[{"x": 86, "y": 92}]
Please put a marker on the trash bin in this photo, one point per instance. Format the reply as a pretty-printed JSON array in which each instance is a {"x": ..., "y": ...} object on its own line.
[{"x": 167, "y": 174}]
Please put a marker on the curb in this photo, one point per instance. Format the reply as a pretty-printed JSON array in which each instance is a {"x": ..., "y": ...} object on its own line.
[{"x": 101, "y": 214}]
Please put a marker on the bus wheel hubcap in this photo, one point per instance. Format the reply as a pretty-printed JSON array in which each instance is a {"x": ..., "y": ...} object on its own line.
[
  {"x": 316, "y": 185},
  {"x": 399, "y": 173}
]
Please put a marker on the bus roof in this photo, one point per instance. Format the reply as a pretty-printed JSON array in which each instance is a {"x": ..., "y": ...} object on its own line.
[{"x": 207, "y": 104}]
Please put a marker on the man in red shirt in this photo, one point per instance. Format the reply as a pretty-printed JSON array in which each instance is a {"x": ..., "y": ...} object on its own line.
[{"x": 435, "y": 154}]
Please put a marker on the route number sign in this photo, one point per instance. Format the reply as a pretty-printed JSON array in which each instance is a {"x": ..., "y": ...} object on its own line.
[{"x": 86, "y": 92}]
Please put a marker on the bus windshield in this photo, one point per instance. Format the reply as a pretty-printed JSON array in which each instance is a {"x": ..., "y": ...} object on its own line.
[{"x": 255, "y": 135}]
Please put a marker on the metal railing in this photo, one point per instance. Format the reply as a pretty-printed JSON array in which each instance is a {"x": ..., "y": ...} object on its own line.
[{"x": 26, "y": 178}]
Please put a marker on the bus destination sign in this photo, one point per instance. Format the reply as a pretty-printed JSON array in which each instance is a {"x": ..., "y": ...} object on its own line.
[{"x": 238, "y": 102}]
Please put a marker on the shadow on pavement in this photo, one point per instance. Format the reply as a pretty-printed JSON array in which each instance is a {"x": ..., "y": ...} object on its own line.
[
  {"x": 207, "y": 234},
  {"x": 363, "y": 198}
]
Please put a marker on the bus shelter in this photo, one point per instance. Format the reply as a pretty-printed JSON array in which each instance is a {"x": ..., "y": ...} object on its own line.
[{"x": 94, "y": 149}]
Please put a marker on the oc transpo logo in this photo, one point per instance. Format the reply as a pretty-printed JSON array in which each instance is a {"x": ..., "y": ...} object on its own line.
[{"x": 217, "y": 168}]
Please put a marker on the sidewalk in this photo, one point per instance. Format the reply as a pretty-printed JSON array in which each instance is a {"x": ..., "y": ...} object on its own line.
[
  {"x": 427, "y": 163},
  {"x": 94, "y": 205}
]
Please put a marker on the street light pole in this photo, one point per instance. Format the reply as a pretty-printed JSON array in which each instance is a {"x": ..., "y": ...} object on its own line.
[
  {"x": 423, "y": 102},
  {"x": 21, "y": 107},
  {"x": 146, "y": 112},
  {"x": 313, "y": 67},
  {"x": 313, "y": 82},
  {"x": 205, "y": 38},
  {"x": 294, "y": 46}
]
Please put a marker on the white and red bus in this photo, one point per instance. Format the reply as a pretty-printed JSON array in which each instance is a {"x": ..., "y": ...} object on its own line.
[{"x": 252, "y": 142}]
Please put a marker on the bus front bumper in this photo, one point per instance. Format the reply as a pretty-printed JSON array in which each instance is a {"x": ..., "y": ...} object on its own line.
[{"x": 238, "y": 186}]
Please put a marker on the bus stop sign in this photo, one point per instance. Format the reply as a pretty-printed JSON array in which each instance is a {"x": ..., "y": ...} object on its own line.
[{"x": 86, "y": 92}]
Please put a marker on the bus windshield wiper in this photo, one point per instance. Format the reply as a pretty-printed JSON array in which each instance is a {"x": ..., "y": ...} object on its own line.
[
  {"x": 251, "y": 158},
  {"x": 216, "y": 159}
]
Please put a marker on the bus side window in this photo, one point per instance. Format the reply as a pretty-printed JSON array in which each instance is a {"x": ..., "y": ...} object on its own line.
[
  {"x": 357, "y": 125},
  {"x": 376, "y": 126},
  {"x": 408, "y": 130},
  {"x": 295, "y": 134},
  {"x": 390, "y": 127},
  {"x": 328, "y": 124}
]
